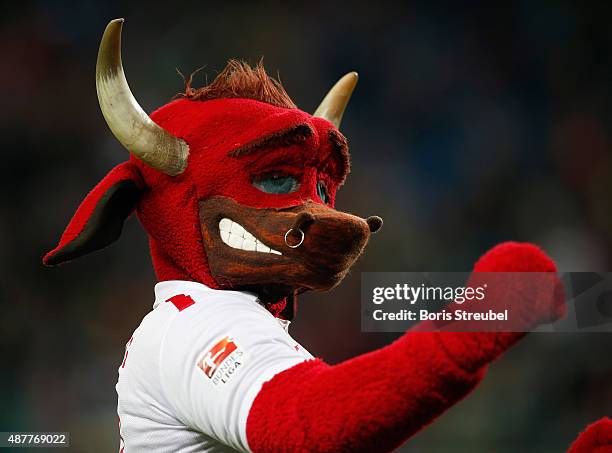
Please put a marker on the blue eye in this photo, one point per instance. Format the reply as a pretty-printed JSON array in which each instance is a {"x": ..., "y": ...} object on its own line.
[
  {"x": 322, "y": 192},
  {"x": 276, "y": 184}
]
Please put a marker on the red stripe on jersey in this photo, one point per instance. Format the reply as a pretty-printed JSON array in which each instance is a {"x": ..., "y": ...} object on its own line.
[{"x": 181, "y": 301}]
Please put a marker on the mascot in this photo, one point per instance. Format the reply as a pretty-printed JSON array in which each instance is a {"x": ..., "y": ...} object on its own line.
[{"x": 235, "y": 187}]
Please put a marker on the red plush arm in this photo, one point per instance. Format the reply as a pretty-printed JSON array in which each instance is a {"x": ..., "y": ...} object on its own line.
[
  {"x": 376, "y": 401},
  {"x": 596, "y": 438}
]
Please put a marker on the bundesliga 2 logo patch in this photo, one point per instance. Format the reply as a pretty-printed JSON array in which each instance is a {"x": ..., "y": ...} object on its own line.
[{"x": 222, "y": 361}]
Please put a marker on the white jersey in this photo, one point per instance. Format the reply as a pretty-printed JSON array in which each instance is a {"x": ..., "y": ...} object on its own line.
[{"x": 194, "y": 366}]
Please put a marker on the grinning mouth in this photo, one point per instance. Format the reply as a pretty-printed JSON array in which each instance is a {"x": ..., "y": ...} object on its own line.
[
  {"x": 234, "y": 235},
  {"x": 245, "y": 260}
]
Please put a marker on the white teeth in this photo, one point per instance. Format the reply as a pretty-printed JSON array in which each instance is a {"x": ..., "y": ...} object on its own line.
[
  {"x": 225, "y": 225},
  {"x": 234, "y": 235},
  {"x": 249, "y": 245},
  {"x": 225, "y": 236},
  {"x": 235, "y": 241},
  {"x": 237, "y": 229},
  {"x": 261, "y": 248}
]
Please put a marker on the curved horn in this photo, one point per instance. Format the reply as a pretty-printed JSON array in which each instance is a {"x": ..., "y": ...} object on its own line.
[
  {"x": 133, "y": 128},
  {"x": 333, "y": 105}
]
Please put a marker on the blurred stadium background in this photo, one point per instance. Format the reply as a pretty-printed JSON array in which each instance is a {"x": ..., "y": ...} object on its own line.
[{"x": 470, "y": 126}]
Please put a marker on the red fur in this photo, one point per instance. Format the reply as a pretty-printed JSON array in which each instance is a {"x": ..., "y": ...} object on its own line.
[
  {"x": 472, "y": 350},
  {"x": 596, "y": 438},
  {"x": 213, "y": 129},
  {"x": 168, "y": 208},
  {"x": 374, "y": 402}
]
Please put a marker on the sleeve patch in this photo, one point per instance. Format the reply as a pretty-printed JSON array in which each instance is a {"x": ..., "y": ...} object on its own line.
[
  {"x": 181, "y": 301},
  {"x": 221, "y": 361}
]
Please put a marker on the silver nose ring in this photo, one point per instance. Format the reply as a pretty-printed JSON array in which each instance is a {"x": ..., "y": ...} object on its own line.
[{"x": 299, "y": 243}]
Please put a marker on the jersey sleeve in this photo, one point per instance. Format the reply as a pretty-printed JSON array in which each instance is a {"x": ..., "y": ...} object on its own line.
[{"x": 215, "y": 357}]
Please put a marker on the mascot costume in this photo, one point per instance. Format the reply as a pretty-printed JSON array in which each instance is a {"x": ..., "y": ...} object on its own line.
[{"x": 235, "y": 187}]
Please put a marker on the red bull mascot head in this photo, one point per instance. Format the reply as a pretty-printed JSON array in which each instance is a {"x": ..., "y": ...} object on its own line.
[{"x": 234, "y": 184}]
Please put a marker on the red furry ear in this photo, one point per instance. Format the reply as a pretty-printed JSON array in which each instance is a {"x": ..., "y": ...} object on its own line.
[{"x": 99, "y": 219}]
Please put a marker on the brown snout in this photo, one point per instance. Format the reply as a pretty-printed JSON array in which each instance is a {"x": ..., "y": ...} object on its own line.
[
  {"x": 304, "y": 219},
  {"x": 332, "y": 240},
  {"x": 307, "y": 246}
]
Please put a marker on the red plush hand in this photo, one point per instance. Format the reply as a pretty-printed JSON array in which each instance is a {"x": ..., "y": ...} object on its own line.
[
  {"x": 472, "y": 350},
  {"x": 546, "y": 301}
]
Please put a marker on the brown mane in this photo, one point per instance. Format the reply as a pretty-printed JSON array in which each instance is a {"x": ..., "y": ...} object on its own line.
[{"x": 240, "y": 80}]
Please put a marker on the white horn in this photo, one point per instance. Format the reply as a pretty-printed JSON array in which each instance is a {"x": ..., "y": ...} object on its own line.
[
  {"x": 333, "y": 105},
  {"x": 153, "y": 145}
]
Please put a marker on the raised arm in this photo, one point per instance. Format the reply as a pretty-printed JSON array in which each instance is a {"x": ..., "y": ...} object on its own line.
[{"x": 376, "y": 401}]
